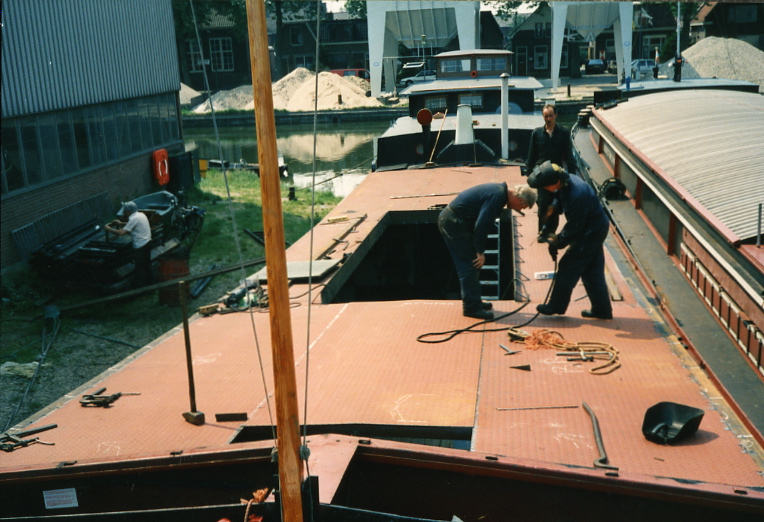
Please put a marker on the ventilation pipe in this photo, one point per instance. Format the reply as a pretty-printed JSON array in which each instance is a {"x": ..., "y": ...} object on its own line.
[{"x": 464, "y": 132}]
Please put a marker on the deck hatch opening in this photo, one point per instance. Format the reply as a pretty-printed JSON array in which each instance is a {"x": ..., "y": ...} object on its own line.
[
  {"x": 405, "y": 258},
  {"x": 455, "y": 437}
]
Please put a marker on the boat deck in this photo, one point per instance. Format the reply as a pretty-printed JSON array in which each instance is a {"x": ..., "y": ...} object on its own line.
[{"x": 366, "y": 367}]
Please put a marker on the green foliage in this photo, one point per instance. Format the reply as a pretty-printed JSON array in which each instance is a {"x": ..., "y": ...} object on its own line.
[
  {"x": 356, "y": 8},
  {"x": 504, "y": 10},
  {"x": 234, "y": 10}
]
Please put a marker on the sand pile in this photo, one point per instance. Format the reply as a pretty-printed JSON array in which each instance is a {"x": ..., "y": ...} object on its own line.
[
  {"x": 295, "y": 92},
  {"x": 726, "y": 58},
  {"x": 239, "y": 98}
]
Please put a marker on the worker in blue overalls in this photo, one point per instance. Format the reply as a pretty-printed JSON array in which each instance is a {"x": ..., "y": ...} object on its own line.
[
  {"x": 584, "y": 233},
  {"x": 464, "y": 225}
]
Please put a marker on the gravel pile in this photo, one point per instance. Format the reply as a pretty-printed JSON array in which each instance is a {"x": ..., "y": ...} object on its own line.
[
  {"x": 726, "y": 58},
  {"x": 296, "y": 92}
]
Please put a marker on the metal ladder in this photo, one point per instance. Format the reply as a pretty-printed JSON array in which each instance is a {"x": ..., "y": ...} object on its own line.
[{"x": 489, "y": 273}]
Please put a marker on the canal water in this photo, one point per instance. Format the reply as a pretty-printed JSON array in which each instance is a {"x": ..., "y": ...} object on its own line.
[{"x": 343, "y": 151}]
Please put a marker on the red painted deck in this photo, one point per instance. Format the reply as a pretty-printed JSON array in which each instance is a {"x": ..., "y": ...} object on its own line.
[{"x": 366, "y": 367}]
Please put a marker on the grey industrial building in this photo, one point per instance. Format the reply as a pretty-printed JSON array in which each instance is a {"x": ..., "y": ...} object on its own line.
[{"x": 89, "y": 92}]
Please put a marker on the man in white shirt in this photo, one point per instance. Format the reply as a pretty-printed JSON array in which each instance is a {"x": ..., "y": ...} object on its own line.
[{"x": 140, "y": 232}]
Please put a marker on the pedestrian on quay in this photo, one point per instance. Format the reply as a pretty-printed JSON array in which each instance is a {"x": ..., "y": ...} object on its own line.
[
  {"x": 137, "y": 225},
  {"x": 584, "y": 233},
  {"x": 551, "y": 142},
  {"x": 464, "y": 225}
]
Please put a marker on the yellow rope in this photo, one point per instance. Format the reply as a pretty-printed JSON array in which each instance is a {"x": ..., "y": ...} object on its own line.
[{"x": 589, "y": 350}]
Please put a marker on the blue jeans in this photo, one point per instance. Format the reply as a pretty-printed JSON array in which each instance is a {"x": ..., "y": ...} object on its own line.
[{"x": 459, "y": 240}]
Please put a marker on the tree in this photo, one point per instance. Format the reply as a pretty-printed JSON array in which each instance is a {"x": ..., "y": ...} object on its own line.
[
  {"x": 291, "y": 9},
  {"x": 356, "y": 8},
  {"x": 688, "y": 12},
  {"x": 504, "y": 10},
  {"x": 235, "y": 10}
]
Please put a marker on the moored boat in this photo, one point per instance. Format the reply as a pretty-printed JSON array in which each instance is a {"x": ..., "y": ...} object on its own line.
[{"x": 469, "y": 82}]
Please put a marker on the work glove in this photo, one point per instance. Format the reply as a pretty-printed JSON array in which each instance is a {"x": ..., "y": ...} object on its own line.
[{"x": 553, "y": 251}]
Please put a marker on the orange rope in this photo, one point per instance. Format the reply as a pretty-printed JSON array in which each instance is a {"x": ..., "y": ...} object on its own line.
[{"x": 589, "y": 350}]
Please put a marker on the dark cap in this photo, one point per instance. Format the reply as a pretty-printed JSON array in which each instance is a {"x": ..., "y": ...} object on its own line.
[{"x": 546, "y": 174}]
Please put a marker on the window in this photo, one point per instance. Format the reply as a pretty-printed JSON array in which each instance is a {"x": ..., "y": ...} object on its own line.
[
  {"x": 96, "y": 135},
  {"x": 122, "y": 130},
  {"x": 473, "y": 100},
  {"x": 742, "y": 14},
  {"x": 66, "y": 142},
  {"x": 221, "y": 54},
  {"x": 30, "y": 147},
  {"x": 652, "y": 44},
  {"x": 538, "y": 30},
  {"x": 13, "y": 173},
  {"x": 522, "y": 61},
  {"x": 498, "y": 63},
  {"x": 339, "y": 60},
  {"x": 134, "y": 119},
  {"x": 455, "y": 66},
  {"x": 46, "y": 125},
  {"x": 295, "y": 34},
  {"x": 436, "y": 103},
  {"x": 304, "y": 61},
  {"x": 194, "y": 56},
  {"x": 155, "y": 120},
  {"x": 45, "y": 147},
  {"x": 81, "y": 147},
  {"x": 540, "y": 57}
]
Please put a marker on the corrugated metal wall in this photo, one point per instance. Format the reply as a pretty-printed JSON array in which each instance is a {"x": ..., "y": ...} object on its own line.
[{"x": 85, "y": 52}]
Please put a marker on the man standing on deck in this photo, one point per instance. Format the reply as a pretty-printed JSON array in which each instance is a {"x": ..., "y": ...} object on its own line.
[
  {"x": 464, "y": 225},
  {"x": 584, "y": 232},
  {"x": 549, "y": 143},
  {"x": 140, "y": 232}
]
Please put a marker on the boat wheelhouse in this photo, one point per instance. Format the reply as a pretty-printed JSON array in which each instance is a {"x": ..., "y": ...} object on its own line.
[{"x": 473, "y": 82}]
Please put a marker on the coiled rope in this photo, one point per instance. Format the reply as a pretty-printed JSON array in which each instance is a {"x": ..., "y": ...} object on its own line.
[{"x": 587, "y": 350}]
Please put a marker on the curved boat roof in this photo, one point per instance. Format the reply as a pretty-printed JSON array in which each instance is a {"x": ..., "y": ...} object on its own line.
[
  {"x": 472, "y": 84},
  {"x": 707, "y": 144},
  {"x": 470, "y": 52}
]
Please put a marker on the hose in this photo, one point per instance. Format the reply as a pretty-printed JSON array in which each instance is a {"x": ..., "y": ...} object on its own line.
[{"x": 450, "y": 334}]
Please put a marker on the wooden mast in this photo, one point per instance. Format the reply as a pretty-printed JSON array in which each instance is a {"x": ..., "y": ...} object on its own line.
[{"x": 287, "y": 416}]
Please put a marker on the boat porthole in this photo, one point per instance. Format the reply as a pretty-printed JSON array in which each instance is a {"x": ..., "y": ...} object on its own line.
[{"x": 419, "y": 149}]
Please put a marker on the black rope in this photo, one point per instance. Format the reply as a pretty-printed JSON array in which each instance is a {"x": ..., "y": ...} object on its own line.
[{"x": 450, "y": 334}]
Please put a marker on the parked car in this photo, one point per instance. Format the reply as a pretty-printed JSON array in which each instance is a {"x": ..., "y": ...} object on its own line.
[
  {"x": 595, "y": 66},
  {"x": 642, "y": 67},
  {"x": 421, "y": 76}
]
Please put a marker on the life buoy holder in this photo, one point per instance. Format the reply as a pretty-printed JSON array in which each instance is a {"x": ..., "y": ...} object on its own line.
[
  {"x": 161, "y": 168},
  {"x": 473, "y": 74}
]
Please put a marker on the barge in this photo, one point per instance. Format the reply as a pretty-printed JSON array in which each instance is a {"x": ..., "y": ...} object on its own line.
[{"x": 409, "y": 410}]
